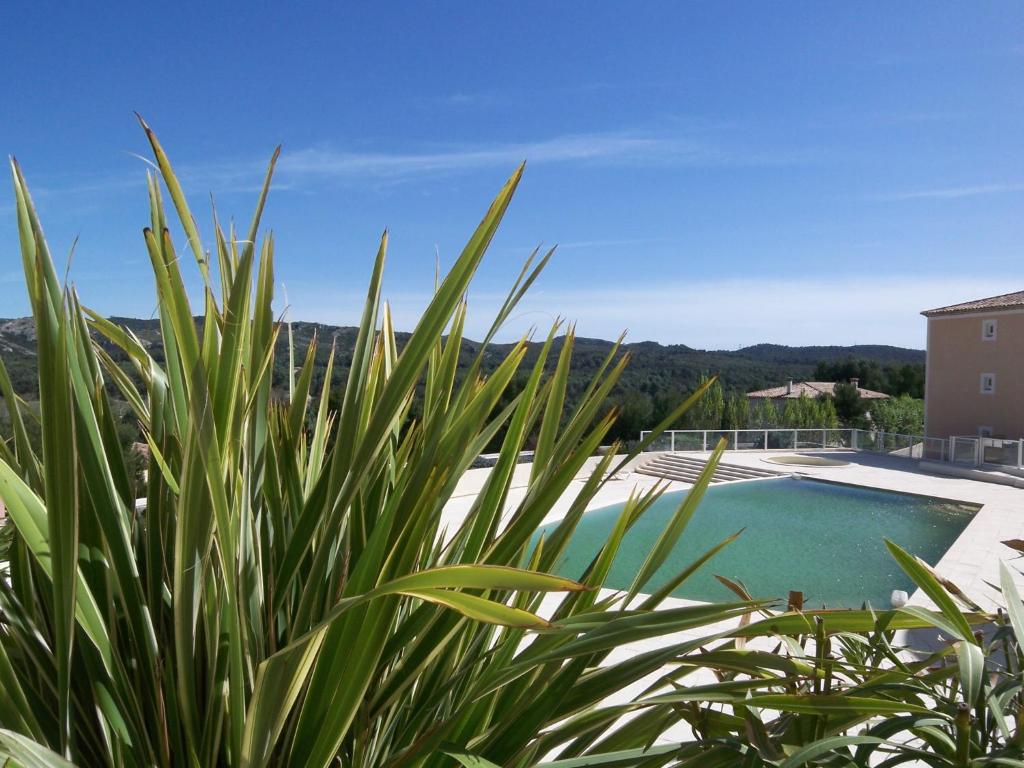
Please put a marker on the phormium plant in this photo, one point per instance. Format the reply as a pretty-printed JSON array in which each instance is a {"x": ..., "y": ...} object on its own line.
[{"x": 283, "y": 593}]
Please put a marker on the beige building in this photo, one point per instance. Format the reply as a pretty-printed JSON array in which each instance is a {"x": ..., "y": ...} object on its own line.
[{"x": 974, "y": 374}]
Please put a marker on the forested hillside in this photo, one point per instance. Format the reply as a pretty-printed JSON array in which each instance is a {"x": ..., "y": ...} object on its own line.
[{"x": 656, "y": 378}]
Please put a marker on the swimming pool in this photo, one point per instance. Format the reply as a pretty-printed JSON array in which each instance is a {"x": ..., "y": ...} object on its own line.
[{"x": 823, "y": 539}]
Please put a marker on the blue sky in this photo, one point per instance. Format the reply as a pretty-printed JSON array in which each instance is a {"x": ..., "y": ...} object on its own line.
[{"x": 715, "y": 174}]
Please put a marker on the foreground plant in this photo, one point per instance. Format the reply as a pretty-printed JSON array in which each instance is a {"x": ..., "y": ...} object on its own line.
[
  {"x": 938, "y": 686},
  {"x": 287, "y": 592},
  {"x": 287, "y": 596}
]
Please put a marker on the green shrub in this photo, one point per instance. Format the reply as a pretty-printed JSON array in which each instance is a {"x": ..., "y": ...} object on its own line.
[
  {"x": 286, "y": 598},
  {"x": 290, "y": 595},
  {"x": 903, "y": 415}
]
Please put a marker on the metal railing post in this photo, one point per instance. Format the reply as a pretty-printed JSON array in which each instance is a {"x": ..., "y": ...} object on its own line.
[
  {"x": 1020, "y": 454},
  {"x": 766, "y": 439},
  {"x": 704, "y": 436},
  {"x": 672, "y": 441},
  {"x": 795, "y": 443},
  {"x": 824, "y": 438},
  {"x": 735, "y": 439}
]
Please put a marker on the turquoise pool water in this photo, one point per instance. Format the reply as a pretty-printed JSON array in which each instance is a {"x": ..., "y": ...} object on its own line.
[{"x": 823, "y": 539}]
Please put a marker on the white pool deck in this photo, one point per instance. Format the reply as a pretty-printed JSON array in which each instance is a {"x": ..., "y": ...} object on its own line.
[{"x": 972, "y": 562}]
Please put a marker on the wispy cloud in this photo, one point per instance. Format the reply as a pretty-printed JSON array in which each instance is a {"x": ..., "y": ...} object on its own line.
[
  {"x": 298, "y": 169},
  {"x": 953, "y": 193},
  {"x": 590, "y": 244},
  {"x": 226, "y": 177},
  {"x": 510, "y": 98},
  {"x": 572, "y": 245},
  {"x": 608, "y": 147},
  {"x": 99, "y": 184}
]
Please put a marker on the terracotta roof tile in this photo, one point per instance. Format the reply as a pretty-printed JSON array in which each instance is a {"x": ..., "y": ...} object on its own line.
[
  {"x": 993, "y": 303},
  {"x": 812, "y": 389}
]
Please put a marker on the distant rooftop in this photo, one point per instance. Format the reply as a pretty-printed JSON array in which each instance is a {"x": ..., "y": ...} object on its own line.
[
  {"x": 993, "y": 303},
  {"x": 795, "y": 389}
]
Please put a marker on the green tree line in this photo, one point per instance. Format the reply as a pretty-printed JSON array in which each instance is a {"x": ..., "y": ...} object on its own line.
[
  {"x": 895, "y": 380},
  {"x": 723, "y": 409}
]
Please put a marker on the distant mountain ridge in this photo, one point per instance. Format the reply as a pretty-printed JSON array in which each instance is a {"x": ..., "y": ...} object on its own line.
[
  {"x": 882, "y": 353},
  {"x": 654, "y": 367}
]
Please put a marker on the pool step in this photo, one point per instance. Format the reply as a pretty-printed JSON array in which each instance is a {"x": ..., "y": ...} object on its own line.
[
  {"x": 686, "y": 469},
  {"x": 691, "y": 464}
]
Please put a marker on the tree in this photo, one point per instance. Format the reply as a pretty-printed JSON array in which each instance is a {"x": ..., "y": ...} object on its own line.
[
  {"x": 809, "y": 411},
  {"x": 908, "y": 380},
  {"x": 756, "y": 414},
  {"x": 635, "y": 414},
  {"x": 904, "y": 414},
  {"x": 791, "y": 414},
  {"x": 827, "y": 412},
  {"x": 892, "y": 379},
  {"x": 737, "y": 412},
  {"x": 710, "y": 408},
  {"x": 850, "y": 406}
]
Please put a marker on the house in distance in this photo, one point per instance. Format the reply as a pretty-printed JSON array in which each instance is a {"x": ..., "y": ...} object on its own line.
[{"x": 813, "y": 389}]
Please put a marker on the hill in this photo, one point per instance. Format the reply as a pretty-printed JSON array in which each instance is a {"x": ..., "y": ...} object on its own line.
[
  {"x": 880, "y": 353},
  {"x": 655, "y": 369}
]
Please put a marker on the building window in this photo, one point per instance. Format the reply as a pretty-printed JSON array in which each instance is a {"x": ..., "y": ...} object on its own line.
[
  {"x": 988, "y": 383},
  {"x": 988, "y": 330}
]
